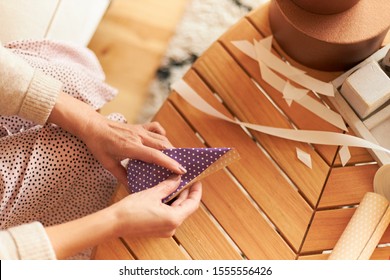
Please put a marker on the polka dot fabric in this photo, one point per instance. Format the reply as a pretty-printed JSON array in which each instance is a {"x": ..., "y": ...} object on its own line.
[
  {"x": 142, "y": 176},
  {"x": 77, "y": 68},
  {"x": 47, "y": 174}
]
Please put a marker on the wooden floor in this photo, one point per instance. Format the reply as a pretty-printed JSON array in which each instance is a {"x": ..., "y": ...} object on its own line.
[{"x": 130, "y": 42}]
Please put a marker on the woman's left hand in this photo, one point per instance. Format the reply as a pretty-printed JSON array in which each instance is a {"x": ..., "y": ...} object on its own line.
[{"x": 111, "y": 142}]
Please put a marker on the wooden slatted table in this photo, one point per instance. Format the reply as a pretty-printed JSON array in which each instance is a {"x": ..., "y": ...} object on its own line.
[{"x": 268, "y": 205}]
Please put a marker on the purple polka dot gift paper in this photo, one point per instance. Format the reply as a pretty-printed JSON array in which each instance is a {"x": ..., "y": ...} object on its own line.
[{"x": 199, "y": 162}]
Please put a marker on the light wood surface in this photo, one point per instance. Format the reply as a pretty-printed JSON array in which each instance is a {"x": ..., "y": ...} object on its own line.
[
  {"x": 129, "y": 43},
  {"x": 233, "y": 83},
  {"x": 290, "y": 207},
  {"x": 268, "y": 205},
  {"x": 379, "y": 254},
  {"x": 327, "y": 227},
  {"x": 347, "y": 185},
  {"x": 112, "y": 250},
  {"x": 234, "y": 211}
]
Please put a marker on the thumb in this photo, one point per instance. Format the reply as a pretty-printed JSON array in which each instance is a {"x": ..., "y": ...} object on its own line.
[{"x": 168, "y": 186}]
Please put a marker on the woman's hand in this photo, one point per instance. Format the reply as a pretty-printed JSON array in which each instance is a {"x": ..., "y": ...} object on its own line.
[
  {"x": 144, "y": 214},
  {"x": 137, "y": 215},
  {"x": 111, "y": 142}
]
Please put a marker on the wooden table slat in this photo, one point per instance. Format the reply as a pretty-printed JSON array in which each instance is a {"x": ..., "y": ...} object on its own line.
[
  {"x": 227, "y": 78},
  {"x": 348, "y": 185},
  {"x": 381, "y": 253},
  {"x": 112, "y": 250},
  {"x": 203, "y": 240},
  {"x": 229, "y": 205},
  {"x": 156, "y": 249},
  {"x": 358, "y": 155},
  {"x": 327, "y": 227}
]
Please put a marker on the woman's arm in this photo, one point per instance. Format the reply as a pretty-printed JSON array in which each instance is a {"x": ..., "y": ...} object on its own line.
[
  {"x": 35, "y": 96},
  {"x": 25, "y": 91},
  {"x": 140, "y": 214}
]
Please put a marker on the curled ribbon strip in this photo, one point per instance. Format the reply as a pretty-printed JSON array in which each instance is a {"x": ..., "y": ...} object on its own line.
[
  {"x": 306, "y": 136},
  {"x": 261, "y": 52}
]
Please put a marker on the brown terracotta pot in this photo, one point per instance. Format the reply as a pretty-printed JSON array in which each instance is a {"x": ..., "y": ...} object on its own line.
[
  {"x": 325, "y": 7},
  {"x": 330, "y": 42}
]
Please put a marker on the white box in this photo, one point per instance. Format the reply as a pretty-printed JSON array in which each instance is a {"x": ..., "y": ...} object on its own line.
[{"x": 367, "y": 89}]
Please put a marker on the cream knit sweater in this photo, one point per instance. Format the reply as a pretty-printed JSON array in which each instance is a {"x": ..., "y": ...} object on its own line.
[{"x": 29, "y": 94}]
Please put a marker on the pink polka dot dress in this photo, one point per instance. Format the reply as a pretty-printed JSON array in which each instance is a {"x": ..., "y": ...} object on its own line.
[{"x": 47, "y": 174}]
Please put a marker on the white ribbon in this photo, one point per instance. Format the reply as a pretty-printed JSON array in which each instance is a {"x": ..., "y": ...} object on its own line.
[
  {"x": 261, "y": 52},
  {"x": 306, "y": 136}
]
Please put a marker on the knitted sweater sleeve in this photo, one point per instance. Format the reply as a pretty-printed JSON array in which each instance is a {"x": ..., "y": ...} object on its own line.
[
  {"x": 26, "y": 242},
  {"x": 24, "y": 91}
]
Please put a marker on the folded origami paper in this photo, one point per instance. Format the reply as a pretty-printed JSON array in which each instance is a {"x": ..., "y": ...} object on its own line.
[{"x": 199, "y": 163}]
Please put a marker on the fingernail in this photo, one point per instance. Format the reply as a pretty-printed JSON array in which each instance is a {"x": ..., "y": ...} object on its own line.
[
  {"x": 175, "y": 177},
  {"x": 182, "y": 169}
]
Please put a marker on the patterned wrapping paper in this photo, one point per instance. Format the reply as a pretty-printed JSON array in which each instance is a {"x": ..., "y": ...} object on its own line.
[
  {"x": 199, "y": 163},
  {"x": 364, "y": 230}
]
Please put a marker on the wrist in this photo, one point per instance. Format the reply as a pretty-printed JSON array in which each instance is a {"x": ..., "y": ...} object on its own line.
[
  {"x": 107, "y": 223},
  {"x": 75, "y": 236},
  {"x": 120, "y": 218},
  {"x": 72, "y": 115}
]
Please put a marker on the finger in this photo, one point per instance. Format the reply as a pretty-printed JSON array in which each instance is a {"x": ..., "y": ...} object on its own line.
[
  {"x": 154, "y": 127},
  {"x": 168, "y": 186},
  {"x": 156, "y": 136},
  {"x": 191, "y": 204},
  {"x": 195, "y": 192},
  {"x": 156, "y": 141},
  {"x": 157, "y": 144},
  {"x": 151, "y": 155},
  {"x": 182, "y": 196}
]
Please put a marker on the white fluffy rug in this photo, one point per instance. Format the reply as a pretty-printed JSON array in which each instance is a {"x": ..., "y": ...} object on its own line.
[{"x": 202, "y": 23}]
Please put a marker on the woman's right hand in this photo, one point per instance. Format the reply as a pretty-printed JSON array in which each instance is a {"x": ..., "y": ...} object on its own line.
[
  {"x": 144, "y": 213},
  {"x": 137, "y": 215}
]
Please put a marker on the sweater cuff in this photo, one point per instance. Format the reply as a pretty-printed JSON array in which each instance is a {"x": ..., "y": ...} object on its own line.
[
  {"x": 32, "y": 242},
  {"x": 40, "y": 98}
]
